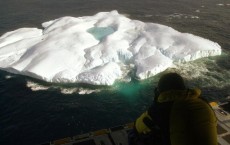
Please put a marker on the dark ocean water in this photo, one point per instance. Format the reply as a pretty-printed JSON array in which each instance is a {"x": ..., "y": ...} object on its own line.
[{"x": 32, "y": 111}]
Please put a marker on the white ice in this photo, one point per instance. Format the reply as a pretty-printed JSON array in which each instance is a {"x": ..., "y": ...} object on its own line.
[{"x": 96, "y": 49}]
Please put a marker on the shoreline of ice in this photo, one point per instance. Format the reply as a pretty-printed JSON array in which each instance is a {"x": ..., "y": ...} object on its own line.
[{"x": 96, "y": 49}]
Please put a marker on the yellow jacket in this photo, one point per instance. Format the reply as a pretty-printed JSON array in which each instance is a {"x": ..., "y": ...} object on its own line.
[{"x": 192, "y": 120}]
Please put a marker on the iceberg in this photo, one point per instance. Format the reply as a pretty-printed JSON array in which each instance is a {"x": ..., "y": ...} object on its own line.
[{"x": 98, "y": 49}]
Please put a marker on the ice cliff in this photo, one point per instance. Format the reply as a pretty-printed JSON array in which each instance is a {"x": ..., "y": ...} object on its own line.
[{"x": 98, "y": 49}]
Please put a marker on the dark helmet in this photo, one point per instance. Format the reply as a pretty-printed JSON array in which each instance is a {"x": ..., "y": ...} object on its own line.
[{"x": 171, "y": 81}]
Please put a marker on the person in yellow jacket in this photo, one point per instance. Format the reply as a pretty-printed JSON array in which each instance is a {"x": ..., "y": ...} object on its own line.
[{"x": 178, "y": 115}]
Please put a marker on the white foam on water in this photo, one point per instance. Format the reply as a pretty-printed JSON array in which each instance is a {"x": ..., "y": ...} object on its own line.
[
  {"x": 220, "y": 4},
  {"x": 69, "y": 90},
  {"x": 83, "y": 91},
  {"x": 35, "y": 86},
  {"x": 185, "y": 16},
  {"x": 8, "y": 77},
  {"x": 201, "y": 75},
  {"x": 80, "y": 91}
]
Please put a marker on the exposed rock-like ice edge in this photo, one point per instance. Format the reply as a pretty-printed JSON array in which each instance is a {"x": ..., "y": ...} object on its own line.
[{"x": 97, "y": 49}]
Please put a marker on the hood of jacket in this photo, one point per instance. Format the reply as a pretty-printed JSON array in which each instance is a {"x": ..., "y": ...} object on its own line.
[{"x": 174, "y": 95}]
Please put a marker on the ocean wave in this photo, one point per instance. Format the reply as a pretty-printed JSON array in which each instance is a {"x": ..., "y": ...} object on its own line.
[
  {"x": 80, "y": 91},
  {"x": 184, "y": 16},
  {"x": 203, "y": 73}
]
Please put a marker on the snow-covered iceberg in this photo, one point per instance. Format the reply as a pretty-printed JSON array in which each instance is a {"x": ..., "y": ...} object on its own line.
[{"x": 98, "y": 49}]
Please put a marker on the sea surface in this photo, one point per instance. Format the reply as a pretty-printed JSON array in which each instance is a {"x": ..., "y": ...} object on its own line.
[{"x": 33, "y": 111}]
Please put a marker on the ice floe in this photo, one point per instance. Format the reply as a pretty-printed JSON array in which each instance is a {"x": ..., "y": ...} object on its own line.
[{"x": 95, "y": 49}]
